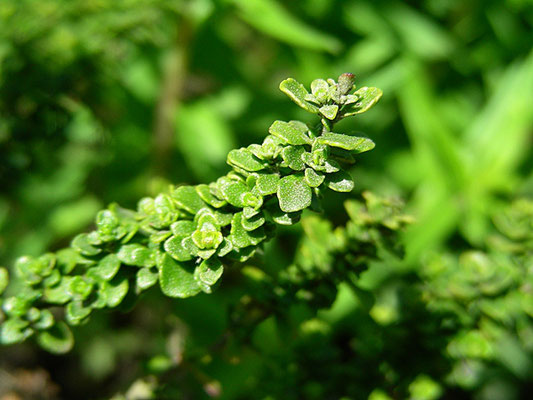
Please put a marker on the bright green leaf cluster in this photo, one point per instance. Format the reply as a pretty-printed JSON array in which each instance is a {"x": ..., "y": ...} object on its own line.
[
  {"x": 332, "y": 100},
  {"x": 184, "y": 238}
]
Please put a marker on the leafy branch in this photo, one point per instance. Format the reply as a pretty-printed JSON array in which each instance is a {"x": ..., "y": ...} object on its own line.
[
  {"x": 326, "y": 256},
  {"x": 185, "y": 237}
]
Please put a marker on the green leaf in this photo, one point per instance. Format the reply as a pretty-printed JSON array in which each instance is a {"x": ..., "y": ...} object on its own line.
[
  {"x": 174, "y": 247},
  {"x": 223, "y": 218},
  {"x": 289, "y": 133},
  {"x": 146, "y": 278},
  {"x": 249, "y": 212},
  {"x": 28, "y": 268},
  {"x": 368, "y": 96},
  {"x": 293, "y": 193},
  {"x": 33, "y": 314},
  {"x": 59, "y": 294},
  {"x": 176, "y": 279},
  {"x": 4, "y": 279},
  {"x": 313, "y": 178},
  {"x": 242, "y": 255},
  {"x": 300, "y": 126},
  {"x": 107, "y": 267},
  {"x": 164, "y": 208},
  {"x": 292, "y": 155},
  {"x": 79, "y": 288},
  {"x": 188, "y": 199},
  {"x": 182, "y": 228},
  {"x": 241, "y": 237},
  {"x": 106, "y": 223},
  {"x": 16, "y": 306},
  {"x": 243, "y": 158},
  {"x": 234, "y": 193},
  {"x": 45, "y": 321},
  {"x": 269, "y": 17},
  {"x": 347, "y": 142},
  {"x": 137, "y": 255},
  {"x": 206, "y": 220},
  {"x": 297, "y": 93},
  {"x": 209, "y": 271},
  {"x": 329, "y": 111},
  {"x": 207, "y": 239},
  {"x": 189, "y": 245},
  {"x": 341, "y": 155},
  {"x": 115, "y": 290},
  {"x": 224, "y": 248},
  {"x": 340, "y": 182},
  {"x": 81, "y": 243},
  {"x": 159, "y": 236},
  {"x": 52, "y": 279},
  {"x": 253, "y": 222},
  {"x": 14, "y": 330},
  {"x": 283, "y": 218},
  {"x": 204, "y": 191},
  {"x": 267, "y": 183},
  {"x": 76, "y": 312},
  {"x": 33, "y": 270},
  {"x": 58, "y": 339},
  {"x": 67, "y": 259},
  {"x": 319, "y": 89}
]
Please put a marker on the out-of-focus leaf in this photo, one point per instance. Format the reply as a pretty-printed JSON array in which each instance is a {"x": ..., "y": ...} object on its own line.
[
  {"x": 202, "y": 126},
  {"x": 424, "y": 388},
  {"x": 498, "y": 138},
  {"x": 269, "y": 17},
  {"x": 73, "y": 217},
  {"x": 141, "y": 79},
  {"x": 419, "y": 32},
  {"x": 369, "y": 54},
  {"x": 364, "y": 18}
]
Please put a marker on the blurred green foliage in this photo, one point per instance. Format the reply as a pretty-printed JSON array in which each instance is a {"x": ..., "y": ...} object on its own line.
[{"x": 106, "y": 101}]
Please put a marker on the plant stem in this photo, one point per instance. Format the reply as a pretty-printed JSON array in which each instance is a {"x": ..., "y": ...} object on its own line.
[{"x": 174, "y": 74}]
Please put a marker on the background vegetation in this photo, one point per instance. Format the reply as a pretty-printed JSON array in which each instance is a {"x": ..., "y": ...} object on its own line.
[{"x": 104, "y": 101}]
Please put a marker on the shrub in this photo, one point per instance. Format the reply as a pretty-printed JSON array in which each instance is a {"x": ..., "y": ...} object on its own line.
[
  {"x": 347, "y": 317},
  {"x": 186, "y": 237}
]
